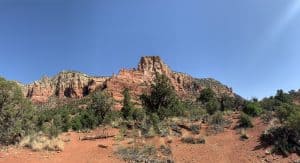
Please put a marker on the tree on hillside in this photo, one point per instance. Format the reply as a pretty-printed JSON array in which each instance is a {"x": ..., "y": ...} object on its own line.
[
  {"x": 206, "y": 95},
  {"x": 127, "y": 104},
  {"x": 101, "y": 104},
  {"x": 162, "y": 99},
  {"x": 227, "y": 102},
  {"x": 283, "y": 97},
  {"x": 16, "y": 113},
  {"x": 211, "y": 103}
]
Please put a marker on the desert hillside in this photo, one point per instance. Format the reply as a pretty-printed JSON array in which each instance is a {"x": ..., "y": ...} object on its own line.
[
  {"x": 148, "y": 114},
  {"x": 72, "y": 84}
]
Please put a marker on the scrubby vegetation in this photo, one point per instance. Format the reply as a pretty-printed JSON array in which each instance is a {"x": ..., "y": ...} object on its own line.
[
  {"x": 217, "y": 123},
  {"x": 38, "y": 142},
  {"x": 252, "y": 108},
  {"x": 161, "y": 113},
  {"x": 193, "y": 140},
  {"x": 245, "y": 121},
  {"x": 147, "y": 153},
  {"x": 19, "y": 118},
  {"x": 284, "y": 136},
  {"x": 162, "y": 100}
]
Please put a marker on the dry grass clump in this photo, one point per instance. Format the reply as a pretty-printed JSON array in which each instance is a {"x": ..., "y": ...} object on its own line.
[
  {"x": 244, "y": 135},
  {"x": 39, "y": 142},
  {"x": 145, "y": 153},
  {"x": 193, "y": 140}
]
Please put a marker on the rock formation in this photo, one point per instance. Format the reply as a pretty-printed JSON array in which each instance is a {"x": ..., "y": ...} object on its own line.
[
  {"x": 77, "y": 85},
  {"x": 66, "y": 84}
]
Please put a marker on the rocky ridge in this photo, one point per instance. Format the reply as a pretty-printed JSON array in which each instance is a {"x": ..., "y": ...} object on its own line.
[{"x": 71, "y": 84}]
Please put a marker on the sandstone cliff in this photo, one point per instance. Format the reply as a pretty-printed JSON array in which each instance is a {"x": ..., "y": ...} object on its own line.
[
  {"x": 66, "y": 84},
  {"x": 77, "y": 85}
]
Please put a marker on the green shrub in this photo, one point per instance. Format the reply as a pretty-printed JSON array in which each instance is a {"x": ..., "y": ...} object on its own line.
[
  {"x": 88, "y": 119},
  {"x": 217, "y": 119},
  {"x": 283, "y": 139},
  {"x": 267, "y": 116},
  {"x": 17, "y": 116},
  {"x": 217, "y": 123},
  {"x": 283, "y": 97},
  {"x": 293, "y": 121},
  {"x": 227, "y": 103},
  {"x": 127, "y": 105},
  {"x": 206, "y": 95},
  {"x": 212, "y": 106},
  {"x": 269, "y": 104},
  {"x": 162, "y": 99},
  {"x": 101, "y": 104},
  {"x": 285, "y": 110},
  {"x": 138, "y": 114},
  {"x": 112, "y": 116},
  {"x": 253, "y": 109},
  {"x": 245, "y": 121},
  {"x": 76, "y": 123},
  {"x": 54, "y": 121},
  {"x": 194, "y": 112}
]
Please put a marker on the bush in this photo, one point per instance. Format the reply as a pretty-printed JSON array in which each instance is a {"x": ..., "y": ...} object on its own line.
[
  {"x": 195, "y": 129},
  {"x": 212, "y": 106},
  {"x": 127, "y": 105},
  {"x": 162, "y": 99},
  {"x": 245, "y": 121},
  {"x": 138, "y": 114},
  {"x": 206, "y": 95},
  {"x": 217, "y": 119},
  {"x": 39, "y": 142},
  {"x": 267, "y": 116},
  {"x": 112, "y": 117},
  {"x": 285, "y": 110},
  {"x": 165, "y": 150},
  {"x": 192, "y": 140},
  {"x": 283, "y": 140},
  {"x": 146, "y": 153},
  {"x": 253, "y": 109},
  {"x": 88, "y": 119},
  {"x": 293, "y": 122},
  {"x": 194, "y": 112},
  {"x": 76, "y": 123},
  {"x": 269, "y": 104},
  {"x": 285, "y": 136},
  {"x": 227, "y": 103},
  {"x": 101, "y": 104},
  {"x": 283, "y": 97},
  {"x": 217, "y": 123},
  {"x": 244, "y": 134},
  {"x": 17, "y": 116},
  {"x": 54, "y": 121}
]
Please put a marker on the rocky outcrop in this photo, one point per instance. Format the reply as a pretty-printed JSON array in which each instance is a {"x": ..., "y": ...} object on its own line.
[
  {"x": 77, "y": 85},
  {"x": 66, "y": 84}
]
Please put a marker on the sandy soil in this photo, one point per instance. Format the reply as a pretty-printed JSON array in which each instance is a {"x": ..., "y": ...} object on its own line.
[
  {"x": 221, "y": 148},
  {"x": 227, "y": 147},
  {"x": 75, "y": 151}
]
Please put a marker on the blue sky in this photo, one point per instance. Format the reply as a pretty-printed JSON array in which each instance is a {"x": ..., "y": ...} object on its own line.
[{"x": 250, "y": 45}]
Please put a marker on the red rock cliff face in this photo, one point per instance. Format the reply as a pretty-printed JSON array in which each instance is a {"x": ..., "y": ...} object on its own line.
[
  {"x": 64, "y": 85},
  {"x": 77, "y": 85}
]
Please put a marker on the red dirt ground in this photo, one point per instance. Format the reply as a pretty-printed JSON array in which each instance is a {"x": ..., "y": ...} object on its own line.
[{"x": 221, "y": 148}]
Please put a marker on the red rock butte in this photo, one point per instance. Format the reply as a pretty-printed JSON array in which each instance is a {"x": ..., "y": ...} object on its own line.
[{"x": 71, "y": 84}]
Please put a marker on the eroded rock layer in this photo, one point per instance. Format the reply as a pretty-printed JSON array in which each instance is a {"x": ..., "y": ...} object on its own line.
[{"x": 77, "y": 85}]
